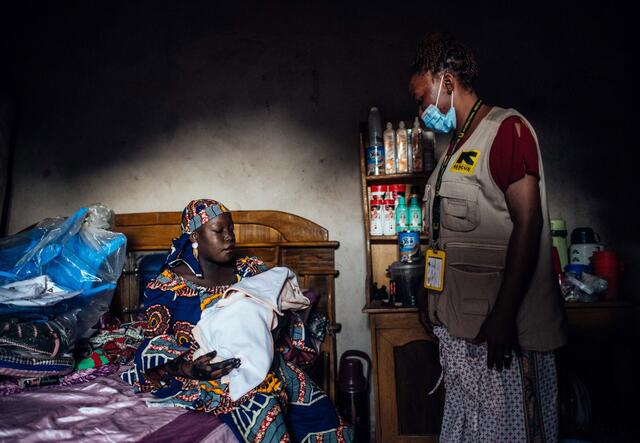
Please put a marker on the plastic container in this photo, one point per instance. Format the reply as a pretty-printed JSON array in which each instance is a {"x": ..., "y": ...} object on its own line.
[
  {"x": 395, "y": 191},
  {"x": 409, "y": 150},
  {"x": 584, "y": 243},
  {"x": 559, "y": 240},
  {"x": 375, "y": 127},
  {"x": 402, "y": 215},
  {"x": 584, "y": 235},
  {"x": 389, "y": 150},
  {"x": 581, "y": 253},
  {"x": 576, "y": 270},
  {"x": 376, "y": 217},
  {"x": 375, "y": 160},
  {"x": 377, "y": 192},
  {"x": 417, "y": 160},
  {"x": 353, "y": 392},
  {"x": 415, "y": 215},
  {"x": 606, "y": 264},
  {"x": 375, "y": 149},
  {"x": 409, "y": 246},
  {"x": 402, "y": 164},
  {"x": 389, "y": 225},
  {"x": 408, "y": 278}
]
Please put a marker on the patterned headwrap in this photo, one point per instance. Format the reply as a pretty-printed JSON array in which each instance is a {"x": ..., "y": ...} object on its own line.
[{"x": 196, "y": 214}]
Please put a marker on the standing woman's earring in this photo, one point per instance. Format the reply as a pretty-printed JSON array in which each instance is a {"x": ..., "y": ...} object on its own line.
[{"x": 194, "y": 245}]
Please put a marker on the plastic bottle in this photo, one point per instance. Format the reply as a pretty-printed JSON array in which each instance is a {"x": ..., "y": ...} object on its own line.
[
  {"x": 401, "y": 149},
  {"x": 415, "y": 215},
  {"x": 376, "y": 217},
  {"x": 559, "y": 240},
  {"x": 375, "y": 127},
  {"x": 389, "y": 150},
  {"x": 417, "y": 144},
  {"x": 402, "y": 215},
  {"x": 375, "y": 149},
  {"x": 410, "y": 149},
  {"x": 389, "y": 227}
]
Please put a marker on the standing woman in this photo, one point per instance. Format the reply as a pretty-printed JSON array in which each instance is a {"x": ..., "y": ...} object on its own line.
[
  {"x": 497, "y": 309},
  {"x": 287, "y": 406}
]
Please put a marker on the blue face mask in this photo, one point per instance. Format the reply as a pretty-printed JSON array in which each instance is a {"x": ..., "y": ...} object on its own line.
[{"x": 437, "y": 121}]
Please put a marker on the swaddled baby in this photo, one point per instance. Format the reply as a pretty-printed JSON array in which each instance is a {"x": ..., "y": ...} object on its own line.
[{"x": 240, "y": 325}]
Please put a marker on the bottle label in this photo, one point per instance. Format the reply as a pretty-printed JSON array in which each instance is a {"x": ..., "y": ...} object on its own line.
[
  {"x": 409, "y": 244},
  {"x": 375, "y": 160},
  {"x": 389, "y": 154},
  {"x": 376, "y": 220},
  {"x": 416, "y": 223},
  {"x": 389, "y": 220}
]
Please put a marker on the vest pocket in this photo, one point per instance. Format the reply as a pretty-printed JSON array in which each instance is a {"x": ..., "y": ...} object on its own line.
[
  {"x": 460, "y": 210},
  {"x": 472, "y": 280},
  {"x": 474, "y": 293}
]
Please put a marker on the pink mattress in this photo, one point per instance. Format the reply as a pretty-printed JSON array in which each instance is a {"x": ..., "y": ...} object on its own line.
[{"x": 102, "y": 410}]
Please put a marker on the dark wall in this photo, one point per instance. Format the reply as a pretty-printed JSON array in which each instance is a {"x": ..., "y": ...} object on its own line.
[
  {"x": 140, "y": 104},
  {"x": 567, "y": 68}
]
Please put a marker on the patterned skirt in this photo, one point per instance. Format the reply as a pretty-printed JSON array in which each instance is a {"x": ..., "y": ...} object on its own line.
[{"x": 518, "y": 404}]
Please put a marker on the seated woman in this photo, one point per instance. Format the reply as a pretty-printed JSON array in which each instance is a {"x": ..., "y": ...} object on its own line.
[{"x": 287, "y": 406}]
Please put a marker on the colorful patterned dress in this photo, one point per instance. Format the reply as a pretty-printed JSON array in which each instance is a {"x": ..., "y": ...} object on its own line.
[{"x": 287, "y": 406}]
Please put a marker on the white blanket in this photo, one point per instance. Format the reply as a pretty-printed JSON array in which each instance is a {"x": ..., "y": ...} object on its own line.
[{"x": 240, "y": 325}]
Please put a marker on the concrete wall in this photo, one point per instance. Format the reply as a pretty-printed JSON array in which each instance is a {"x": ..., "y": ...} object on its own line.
[{"x": 145, "y": 106}]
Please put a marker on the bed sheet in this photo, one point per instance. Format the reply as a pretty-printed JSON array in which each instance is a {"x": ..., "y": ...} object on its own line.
[{"x": 102, "y": 410}]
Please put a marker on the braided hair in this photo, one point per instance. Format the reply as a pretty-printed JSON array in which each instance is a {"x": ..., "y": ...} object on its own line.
[{"x": 439, "y": 52}]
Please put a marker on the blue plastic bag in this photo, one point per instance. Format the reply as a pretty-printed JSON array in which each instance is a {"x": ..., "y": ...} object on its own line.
[{"x": 76, "y": 255}]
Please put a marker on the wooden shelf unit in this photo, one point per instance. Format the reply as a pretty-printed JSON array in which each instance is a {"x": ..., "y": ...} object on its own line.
[
  {"x": 405, "y": 359},
  {"x": 382, "y": 250}
]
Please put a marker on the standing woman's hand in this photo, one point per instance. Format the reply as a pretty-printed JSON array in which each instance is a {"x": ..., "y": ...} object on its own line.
[{"x": 500, "y": 332}]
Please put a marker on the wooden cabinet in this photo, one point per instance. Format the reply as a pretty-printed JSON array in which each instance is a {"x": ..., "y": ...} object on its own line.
[
  {"x": 405, "y": 359},
  {"x": 407, "y": 367}
]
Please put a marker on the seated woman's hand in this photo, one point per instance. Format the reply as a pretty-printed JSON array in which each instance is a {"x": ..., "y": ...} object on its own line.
[{"x": 203, "y": 369}]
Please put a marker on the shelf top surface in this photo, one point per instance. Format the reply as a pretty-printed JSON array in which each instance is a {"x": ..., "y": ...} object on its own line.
[{"x": 423, "y": 176}]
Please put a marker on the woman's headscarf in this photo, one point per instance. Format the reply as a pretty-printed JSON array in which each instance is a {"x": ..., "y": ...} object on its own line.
[{"x": 194, "y": 215}]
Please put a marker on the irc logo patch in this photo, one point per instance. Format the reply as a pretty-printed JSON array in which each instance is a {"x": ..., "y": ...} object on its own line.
[{"x": 466, "y": 162}]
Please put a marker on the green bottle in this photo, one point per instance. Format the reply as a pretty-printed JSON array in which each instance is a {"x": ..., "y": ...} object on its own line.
[
  {"x": 402, "y": 216},
  {"x": 415, "y": 215}
]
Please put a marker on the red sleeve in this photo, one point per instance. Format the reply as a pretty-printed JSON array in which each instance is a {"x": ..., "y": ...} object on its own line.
[{"x": 513, "y": 153}]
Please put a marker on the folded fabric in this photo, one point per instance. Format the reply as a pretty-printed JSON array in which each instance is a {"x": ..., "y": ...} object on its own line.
[
  {"x": 37, "y": 291},
  {"x": 37, "y": 339},
  {"x": 240, "y": 324},
  {"x": 15, "y": 365},
  {"x": 95, "y": 360}
]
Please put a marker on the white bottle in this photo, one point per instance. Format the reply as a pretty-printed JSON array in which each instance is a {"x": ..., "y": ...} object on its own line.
[
  {"x": 377, "y": 217},
  {"x": 389, "y": 227},
  {"x": 389, "y": 150},
  {"x": 401, "y": 149}
]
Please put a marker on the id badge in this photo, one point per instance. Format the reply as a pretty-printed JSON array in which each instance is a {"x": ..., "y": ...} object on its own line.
[{"x": 434, "y": 274}]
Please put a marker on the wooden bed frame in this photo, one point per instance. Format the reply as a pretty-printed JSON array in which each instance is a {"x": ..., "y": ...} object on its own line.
[{"x": 278, "y": 238}]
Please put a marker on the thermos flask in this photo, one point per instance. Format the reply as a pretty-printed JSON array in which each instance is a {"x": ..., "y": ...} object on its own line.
[{"x": 353, "y": 392}]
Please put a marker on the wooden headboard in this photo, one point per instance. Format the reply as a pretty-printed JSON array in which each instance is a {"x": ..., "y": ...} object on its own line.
[{"x": 278, "y": 238}]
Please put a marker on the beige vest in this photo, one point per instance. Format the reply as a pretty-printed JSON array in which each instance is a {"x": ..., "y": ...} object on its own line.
[{"x": 475, "y": 228}]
